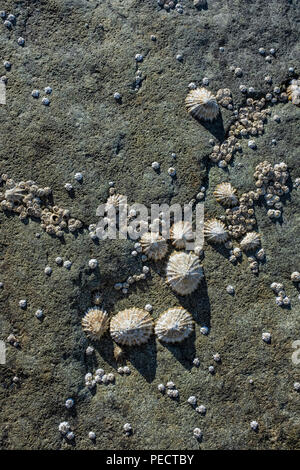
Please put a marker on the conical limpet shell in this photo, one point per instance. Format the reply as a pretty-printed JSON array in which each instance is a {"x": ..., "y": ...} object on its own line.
[
  {"x": 250, "y": 241},
  {"x": 154, "y": 245},
  {"x": 181, "y": 233},
  {"x": 174, "y": 325},
  {"x": 215, "y": 231},
  {"x": 132, "y": 326},
  {"x": 115, "y": 201},
  {"x": 293, "y": 92},
  {"x": 202, "y": 104},
  {"x": 184, "y": 272}
]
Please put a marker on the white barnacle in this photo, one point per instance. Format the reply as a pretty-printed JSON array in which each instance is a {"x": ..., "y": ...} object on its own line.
[
  {"x": 64, "y": 427},
  {"x": 250, "y": 241},
  {"x": 297, "y": 386},
  {"x": 45, "y": 101},
  {"x": 192, "y": 400},
  {"x": 48, "y": 270},
  {"x": 198, "y": 433},
  {"x": 23, "y": 303},
  {"x": 201, "y": 409},
  {"x": 266, "y": 337},
  {"x": 230, "y": 289},
  {"x": 39, "y": 314},
  {"x": 93, "y": 263},
  {"x": 68, "y": 187},
  {"x": 254, "y": 425},
  {"x": 78, "y": 176},
  {"x": 252, "y": 144},
  {"x": 127, "y": 428},
  {"x": 69, "y": 403},
  {"x": 89, "y": 351},
  {"x": 67, "y": 264},
  {"x": 295, "y": 276}
]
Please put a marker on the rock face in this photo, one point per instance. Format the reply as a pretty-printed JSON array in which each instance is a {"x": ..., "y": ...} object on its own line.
[{"x": 86, "y": 51}]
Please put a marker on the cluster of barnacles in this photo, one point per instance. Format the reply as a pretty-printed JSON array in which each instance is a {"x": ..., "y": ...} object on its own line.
[
  {"x": 27, "y": 199},
  {"x": 241, "y": 218}
]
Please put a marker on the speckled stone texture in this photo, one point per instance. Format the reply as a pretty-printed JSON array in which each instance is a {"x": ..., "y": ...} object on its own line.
[{"x": 85, "y": 50}]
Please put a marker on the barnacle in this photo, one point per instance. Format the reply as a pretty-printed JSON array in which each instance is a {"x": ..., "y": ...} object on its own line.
[
  {"x": 132, "y": 326},
  {"x": 95, "y": 323},
  {"x": 174, "y": 325},
  {"x": 215, "y": 231},
  {"x": 225, "y": 194}
]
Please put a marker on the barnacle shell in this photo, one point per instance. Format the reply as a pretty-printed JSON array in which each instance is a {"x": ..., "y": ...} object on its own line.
[
  {"x": 202, "y": 104},
  {"x": 250, "y": 241},
  {"x": 131, "y": 327},
  {"x": 154, "y": 245},
  {"x": 180, "y": 233},
  {"x": 215, "y": 231},
  {"x": 174, "y": 325},
  {"x": 225, "y": 194},
  {"x": 184, "y": 272},
  {"x": 293, "y": 92},
  {"x": 116, "y": 200},
  {"x": 95, "y": 323}
]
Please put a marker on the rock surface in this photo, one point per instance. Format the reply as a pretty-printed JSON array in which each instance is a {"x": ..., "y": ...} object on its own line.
[{"x": 85, "y": 50}]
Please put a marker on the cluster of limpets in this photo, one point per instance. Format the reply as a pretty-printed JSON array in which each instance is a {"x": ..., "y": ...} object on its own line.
[{"x": 134, "y": 326}]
